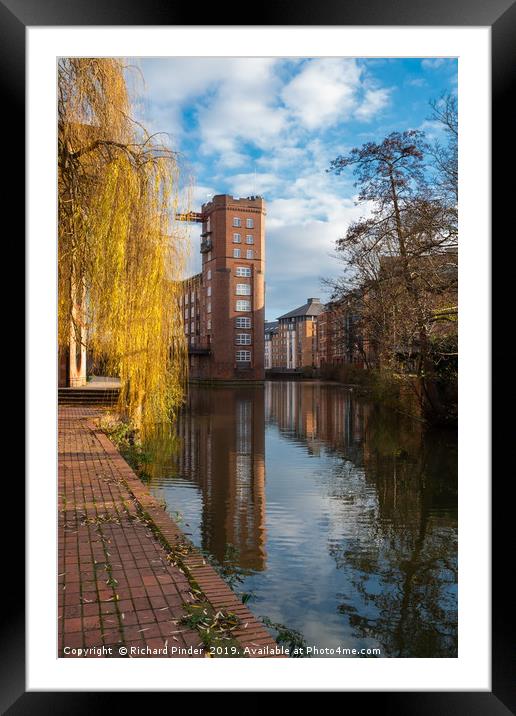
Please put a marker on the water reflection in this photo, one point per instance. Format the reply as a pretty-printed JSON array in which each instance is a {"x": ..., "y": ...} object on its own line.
[
  {"x": 223, "y": 453},
  {"x": 352, "y": 539}
]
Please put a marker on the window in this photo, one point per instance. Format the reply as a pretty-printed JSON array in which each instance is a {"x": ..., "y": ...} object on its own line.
[
  {"x": 243, "y": 356},
  {"x": 249, "y": 254},
  {"x": 237, "y": 239},
  {"x": 187, "y": 299},
  {"x": 209, "y": 255},
  {"x": 243, "y": 289},
  {"x": 236, "y": 253},
  {"x": 249, "y": 239},
  {"x": 237, "y": 221},
  {"x": 249, "y": 223},
  {"x": 243, "y": 322},
  {"x": 208, "y": 291},
  {"x": 186, "y": 313},
  {"x": 192, "y": 327},
  {"x": 243, "y": 305},
  {"x": 243, "y": 271},
  {"x": 209, "y": 274},
  {"x": 208, "y": 324},
  {"x": 243, "y": 339},
  {"x": 208, "y": 308},
  {"x": 192, "y": 297}
]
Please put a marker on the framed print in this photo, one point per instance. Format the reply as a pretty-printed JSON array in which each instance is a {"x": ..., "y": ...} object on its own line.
[{"x": 258, "y": 354}]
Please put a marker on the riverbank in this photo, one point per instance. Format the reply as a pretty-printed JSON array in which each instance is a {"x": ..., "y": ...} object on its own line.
[
  {"x": 130, "y": 582},
  {"x": 433, "y": 402}
]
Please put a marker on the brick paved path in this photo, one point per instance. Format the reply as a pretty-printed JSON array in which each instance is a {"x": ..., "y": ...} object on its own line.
[{"x": 116, "y": 587}]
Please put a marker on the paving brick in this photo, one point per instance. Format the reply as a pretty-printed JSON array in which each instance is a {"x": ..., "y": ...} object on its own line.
[{"x": 116, "y": 585}]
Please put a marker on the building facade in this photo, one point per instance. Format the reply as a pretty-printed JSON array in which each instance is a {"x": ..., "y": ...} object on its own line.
[
  {"x": 271, "y": 346},
  {"x": 354, "y": 329},
  {"x": 224, "y": 305},
  {"x": 340, "y": 335},
  {"x": 297, "y": 336},
  {"x": 316, "y": 335}
]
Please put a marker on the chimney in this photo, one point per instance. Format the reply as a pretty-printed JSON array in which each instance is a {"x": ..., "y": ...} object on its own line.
[{"x": 313, "y": 300}]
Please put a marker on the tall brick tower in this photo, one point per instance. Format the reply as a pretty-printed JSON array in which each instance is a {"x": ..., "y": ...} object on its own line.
[{"x": 232, "y": 300}]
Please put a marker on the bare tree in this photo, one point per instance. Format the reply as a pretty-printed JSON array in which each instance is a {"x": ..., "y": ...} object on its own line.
[
  {"x": 402, "y": 257},
  {"x": 445, "y": 155}
]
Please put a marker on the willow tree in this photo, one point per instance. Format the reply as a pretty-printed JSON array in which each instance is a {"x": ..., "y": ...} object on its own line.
[{"x": 120, "y": 258}]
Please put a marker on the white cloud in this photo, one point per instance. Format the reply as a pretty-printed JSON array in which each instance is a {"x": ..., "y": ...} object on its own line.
[
  {"x": 250, "y": 183},
  {"x": 433, "y": 64},
  {"x": 432, "y": 129},
  {"x": 243, "y": 108},
  {"x": 175, "y": 79},
  {"x": 230, "y": 159},
  {"x": 374, "y": 101},
  {"x": 201, "y": 194},
  {"x": 303, "y": 224},
  {"x": 167, "y": 84},
  {"x": 323, "y": 92},
  {"x": 233, "y": 102},
  {"x": 417, "y": 82},
  {"x": 331, "y": 90},
  {"x": 302, "y": 230},
  {"x": 232, "y": 98},
  {"x": 288, "y": 110},
  {"x": 282, "y": 160}
]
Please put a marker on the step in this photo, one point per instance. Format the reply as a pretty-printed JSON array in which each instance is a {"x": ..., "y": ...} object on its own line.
[{"x": 88, "y": 396}]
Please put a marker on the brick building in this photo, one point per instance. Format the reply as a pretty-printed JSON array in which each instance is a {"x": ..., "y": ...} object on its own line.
[
  {"x": 356, "y": 329},
  {"x": 271, "y": 347},
  {"x": 317, "y": 335},
  {"x": 224, "y": 305},
  {"x": 340, "y": 336},
  {"x": 353, "y": 329},
  {"x": 297, "y": 335}
]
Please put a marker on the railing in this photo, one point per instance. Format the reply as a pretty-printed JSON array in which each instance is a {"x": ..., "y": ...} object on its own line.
[{"x": 201, "y": 348}]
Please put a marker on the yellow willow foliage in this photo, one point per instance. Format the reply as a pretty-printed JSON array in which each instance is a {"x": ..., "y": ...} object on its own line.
[{"x": 120, "y": 258}]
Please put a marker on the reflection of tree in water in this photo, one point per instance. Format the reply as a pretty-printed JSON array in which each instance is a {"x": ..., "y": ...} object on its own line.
[
  {"x": 402, "y": 563},
  {"x": 395, "y": 488}
]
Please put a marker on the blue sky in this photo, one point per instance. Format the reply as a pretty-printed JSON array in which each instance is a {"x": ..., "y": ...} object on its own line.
[{"x": 271, "y": 126}]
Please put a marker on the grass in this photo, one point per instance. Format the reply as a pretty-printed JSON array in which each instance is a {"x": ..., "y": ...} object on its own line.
[
  {"x": 127, "y": 440},
  {"x": 215, "y": 629}
]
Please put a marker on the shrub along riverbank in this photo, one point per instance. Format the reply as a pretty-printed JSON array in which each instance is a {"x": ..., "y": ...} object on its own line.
[{"x": 432, "y": 401}]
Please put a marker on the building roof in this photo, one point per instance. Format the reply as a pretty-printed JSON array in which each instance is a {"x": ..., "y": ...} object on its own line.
[
  {"x": 270, "y": 325},
  {"x": 312, "y": 307}
]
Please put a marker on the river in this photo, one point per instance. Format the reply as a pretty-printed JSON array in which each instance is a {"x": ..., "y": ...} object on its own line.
[{"x": 340, "y": 516}]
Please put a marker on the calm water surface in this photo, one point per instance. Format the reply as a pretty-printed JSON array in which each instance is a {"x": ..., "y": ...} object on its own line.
[{"x": 343, "y": 515}]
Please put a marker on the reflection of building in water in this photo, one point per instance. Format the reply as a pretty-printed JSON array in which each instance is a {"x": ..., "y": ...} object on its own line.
[
  {"x": 393, "y": 514},
  {"x": 390, "y": 448},
  {"x": 316, "y": 413},
  {"x": 223, "y": 451}
]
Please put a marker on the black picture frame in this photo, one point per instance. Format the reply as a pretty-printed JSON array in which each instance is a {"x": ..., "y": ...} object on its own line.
[{"x": 500, "y": 16}]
